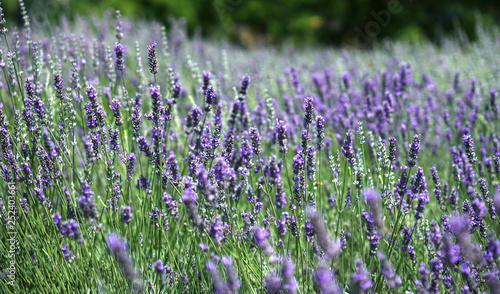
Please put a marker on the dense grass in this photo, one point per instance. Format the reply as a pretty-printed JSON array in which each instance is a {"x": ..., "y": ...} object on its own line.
[{"x": 210, "y": 215}]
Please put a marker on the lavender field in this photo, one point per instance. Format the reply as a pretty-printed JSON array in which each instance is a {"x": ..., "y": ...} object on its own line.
[{"x": 135, "y": 159}]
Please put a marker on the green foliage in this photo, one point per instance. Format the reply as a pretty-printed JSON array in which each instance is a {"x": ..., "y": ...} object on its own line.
[{"x": 301, "y": 21}]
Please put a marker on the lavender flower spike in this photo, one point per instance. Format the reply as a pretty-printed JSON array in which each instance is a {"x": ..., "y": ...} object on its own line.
[
  {"x": 330, "y": 247},
  {"x": 233, "y": 284},
  {"x": 326, "y": 280},
  {"x": 288, "y": 280},
  {"x": 260, "y": 239},
  {"x": 413, "y": 153},
  {"x": 373, "y": 199},
  {"x": 189, "y": 199},
  {"x": 153, "y": 60},
  {"x": 361, "y": 280},
  {"x": 496, "y": 201},
  {"x": 119, "y": 249},
  {"x": 309, "y": 111},
  {"x": 386, "y": 268},
  {"x": 219, "y": 287},
  {"x": 115, "y": 106},
  {"x": 469, "y": 149},
  {"x": 120, "y": 61}
]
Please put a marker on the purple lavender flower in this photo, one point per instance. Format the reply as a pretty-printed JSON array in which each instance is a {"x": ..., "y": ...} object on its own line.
[
  {"x": 466, "y": 272},
  {"x": 309, "y": 111},
  {"x": 450, "y": 252},
  {"x": 347, "y": 148},
  {"x": 142, "y": 183},
  {"x": 436, "y": 267},
  {"x": 392, "y": 149},
  {"x": 136, "y": 120},
  {"x": 496, "y": 201},
  {"x": 56, "y": 217},
  {"x": 272, "y": 283},
  {"x": 219, "y": 287},
  {"x": 413, "y": 152},
  {"x": 311, "y": 162},
  {"x": 215, "y": 229},
  {"x": 423, "y": 198},
  {"x": 194, "y": 117},
  {"x": 176, "y": 91},
  {"x": 130, "y": 165},
  {"x": 298, "y": 178},
  {"x": 49, "y": 145},
  {"x": 115, "y": 107},
  {"x": 114, "y": 143},
  {"x": 387, "y": 270},
  {"x": 492, "y": 281},
  {"x": 67, "y": 254},
  {"x": 210, "y": 98},
  {"x": 260, "y": 239},
  {"x": 373, "y": 200},
  {"x": 153, "y": 60},
  {"x": 280, "y": 133},
  {"x": 206, "y": 76},
  {"x": 361, "y": 280},
  {"x": 402, "y": 182},
  {"x": 126, "y": 214},
  {"x": 89, "y": 149},
  {"x": 145, "y": 147},
  {"x": 119, "y": 249},
  {"x": 5, "y": 140},
  {"x": 330, "y": 247},
  {"x": 203, "y": 247},
  {"x": 371, "y": 231},
  {"x": 189, "y": 199},
  {"x": 320, "y": 131},
  {"x": 326, "y": 281},
  {"x": 246, "y": 152},
  {"x": 86, "y": 202},
  {"x": 255, "y": 139},
  {"x": 173, "y": 167},
  {"x": 469, "y": 149},
  {"x": 423, "y": 282},
  {"x": 95, "y": 112},
  {"x": 59, "y": 85},
  {"x": 245, "y": 81},
  {"x": 120, "y": 61},
  {"x": 158, "y": 266},
  {"x": 288, "y": 282},
  {"x": 69, "y": 228},
  {"x": 233, "y": 284}
]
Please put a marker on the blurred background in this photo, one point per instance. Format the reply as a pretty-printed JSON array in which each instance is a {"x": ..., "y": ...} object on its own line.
[{"x": 359, "y": 23}]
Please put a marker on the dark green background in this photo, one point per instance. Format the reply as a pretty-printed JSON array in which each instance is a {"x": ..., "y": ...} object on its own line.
[{"x": 250, "y": 22}]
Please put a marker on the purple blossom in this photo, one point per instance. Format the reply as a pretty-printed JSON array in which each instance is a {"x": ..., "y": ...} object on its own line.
[
  {"x": 245, "y": 81},
  {"x": 126, "y": 214},
  {"x": 115, "y": 107},
  {"x": 361, "y": 280},
  {"x": 86, "y": 202},
  {"x": 347, "y": 148},
  {"x": 387, "y": 270},
  {"x": 119, "y": 249},
  {"x": 309, "y": 111},
  {"x": 67, "y": 254},
  {"x": 326, "y": 281},
  {"x": 413, "y": 152},
  {"x": 120, "y": 61},
  {"x": 189, "y": 199},
  {"x": 330, "y": 246},
  {"x": 153, "y": 60}
]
